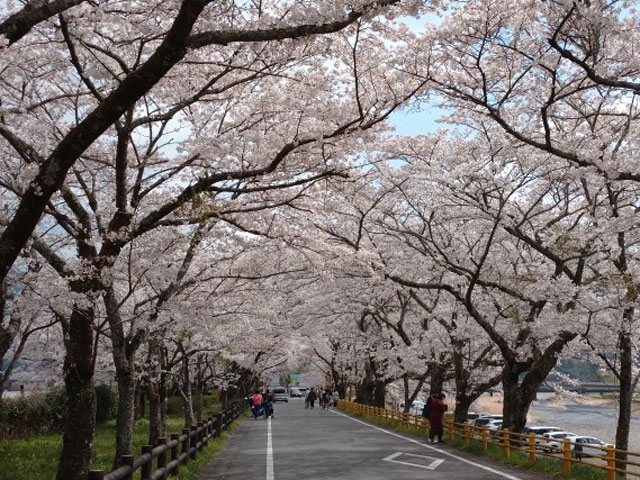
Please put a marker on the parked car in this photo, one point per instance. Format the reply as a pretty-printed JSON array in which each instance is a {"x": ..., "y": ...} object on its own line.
[
  {"x": 539, "y": 430},
  {"x": 484, "y": 420},
  {"x": 416, "y": 408},
  {"x": 584, "y": 446},
  {"x": 280, "y": 395},
  {"x": 553, "y": 441},
  {"x": 472, "y": 416},
  {"x": 295, "y": 392}
]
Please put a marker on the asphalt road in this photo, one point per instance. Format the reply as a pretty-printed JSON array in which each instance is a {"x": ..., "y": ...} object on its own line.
[{"x": 327, "y": 444}]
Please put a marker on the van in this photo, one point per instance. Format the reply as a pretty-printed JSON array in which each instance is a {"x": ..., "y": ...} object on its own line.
[{"x": 280, "y": 395}]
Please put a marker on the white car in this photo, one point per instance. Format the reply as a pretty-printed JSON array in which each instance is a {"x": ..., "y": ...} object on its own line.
[
  {"x": 540, "y": 430},
  {"x": 485, "y": 420},
  {"x": 553, "y": 441},
  {"x": 416, "y": 408},
  {"x": 585, "y": 446}
]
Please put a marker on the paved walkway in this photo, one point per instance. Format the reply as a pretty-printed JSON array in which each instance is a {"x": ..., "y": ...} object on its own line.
[{"x": 299, "y": 444}]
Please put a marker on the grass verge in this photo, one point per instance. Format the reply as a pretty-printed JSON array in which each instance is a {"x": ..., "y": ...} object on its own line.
[{"x": 37, "y": 457}]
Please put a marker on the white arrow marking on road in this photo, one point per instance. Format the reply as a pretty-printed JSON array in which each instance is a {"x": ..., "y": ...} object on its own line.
[{"x": 432, "y": 466}]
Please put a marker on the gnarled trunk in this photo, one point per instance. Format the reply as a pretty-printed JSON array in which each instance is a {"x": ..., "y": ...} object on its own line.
[{"x": 77, "y": 441}]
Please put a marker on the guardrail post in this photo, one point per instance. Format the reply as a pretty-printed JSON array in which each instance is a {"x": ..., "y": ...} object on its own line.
[
  {"x": 393, "y": 420},
  {"x": 145, "y": 469},
  {"x": 186, "y": 445},
  {"x": 96, "y": 474},
  {"x": 162, "y": 458},
  {"x": 201, "y": 436},
  {"x": 566, "y": 456},
  {"x": 485, "y": 442},
  {"x": 174, "y": 453},
  {"x": 611, "y": 463},
  {"x": 218, "y": 424},
  {"x": 532, "y": 448},
  {"x": 194, "y": 441},
  {"x": 128, "y": 461},
  {"x": 506, "y": 443},
  {"x": 465, "y": 427}
]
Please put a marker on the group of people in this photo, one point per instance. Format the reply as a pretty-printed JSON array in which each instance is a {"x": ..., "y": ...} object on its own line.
[
  {"x": 433, "y": 411},
  {"x": 262, "y": 404},
  {"x": 326, "y": 398}
]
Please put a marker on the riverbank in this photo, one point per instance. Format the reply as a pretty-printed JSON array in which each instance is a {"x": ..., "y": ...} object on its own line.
[{"x": 587, "y": 415}]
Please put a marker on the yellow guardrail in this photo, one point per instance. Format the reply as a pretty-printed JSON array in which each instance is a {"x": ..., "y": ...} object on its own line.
[{"x": 611, "y": 460}]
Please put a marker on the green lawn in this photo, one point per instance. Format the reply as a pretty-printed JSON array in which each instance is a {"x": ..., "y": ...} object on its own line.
[{"x": 36, "y": 457}]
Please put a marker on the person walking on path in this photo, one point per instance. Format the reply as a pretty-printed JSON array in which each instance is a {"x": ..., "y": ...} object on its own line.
[
  {"x": 436, "y": 415},
  {"x": 257, "y": 404},
  {"x": 267, "y": 401},
  {"x": 311, "y": 397}
]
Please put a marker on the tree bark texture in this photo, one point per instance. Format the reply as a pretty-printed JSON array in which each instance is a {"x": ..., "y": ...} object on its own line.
[{"x": 77, "y": 442}]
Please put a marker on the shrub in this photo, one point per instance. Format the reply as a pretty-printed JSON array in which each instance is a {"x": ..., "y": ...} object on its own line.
[{"x": 33, "y": 415}]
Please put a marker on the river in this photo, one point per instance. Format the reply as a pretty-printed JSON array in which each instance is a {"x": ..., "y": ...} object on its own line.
[{"x": 591, "y": 415}]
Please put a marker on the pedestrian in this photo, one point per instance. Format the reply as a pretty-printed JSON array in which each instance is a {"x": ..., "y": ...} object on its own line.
[
  {"x": 306, "y": 399},
  {"x": 435, "y": 417},
  {"x": 311, "y": 397},
  {"x": 326, "y": 399},
  {"x": 256, "y": 401},
  {"x": 426, "y": 410},
  {"x": 268, "y": 404},
  {"x": 336, "y": 397}
]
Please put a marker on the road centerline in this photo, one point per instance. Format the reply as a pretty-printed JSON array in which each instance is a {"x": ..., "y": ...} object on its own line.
[{"x": 270, "y": 475}]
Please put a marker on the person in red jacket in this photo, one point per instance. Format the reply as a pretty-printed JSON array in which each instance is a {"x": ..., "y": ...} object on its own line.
[
  {"x": 256, "y": 400},
  {"x": 438, "y": 408}
]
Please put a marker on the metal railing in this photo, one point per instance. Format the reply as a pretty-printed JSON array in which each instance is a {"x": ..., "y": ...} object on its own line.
[
  {"x": 567, "y": 453},
  {"x": 169, "y": 455}
]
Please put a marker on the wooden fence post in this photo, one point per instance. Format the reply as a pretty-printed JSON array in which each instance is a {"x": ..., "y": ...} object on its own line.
[
  {"x": 128, "y": 461},
  {"x": 200, "y": 435},
  {"x": 186, "y": 445},
  {"x": 218, "y": 424},
  {"x": 174, "y": 453},
  {"x": 566, "y": 456},
  {"x": 485, "y": 441},
  {"x": 466, "y": 433},
  {"x": 506, "y": 443},
  {"x": 145, "y": 469},
  {"x": 162, "y": 458},
  {"x": 611, "y": 463},
  {"x": 193, "y": 447},
  {"x": 450, "y": 422},
  {"x": 532, "y": 448}
]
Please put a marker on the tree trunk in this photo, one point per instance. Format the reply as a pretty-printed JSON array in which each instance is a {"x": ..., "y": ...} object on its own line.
[
  {"x": 626, "y": 397},
  {"x": 77, "y": 441},
  {"x": 515, "y": 407},
  {"x": 185, "y": 393},
  {"x": 157, "y": 392},
  {"x": 436, "y": 383},
  {"x": 124, "y": 353},
  {"x": 407, "y": 401},
  {"x": 126, "y": 414},
  {"x": 380, "y": 391},
  {"x": 463, "y": 403}
]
